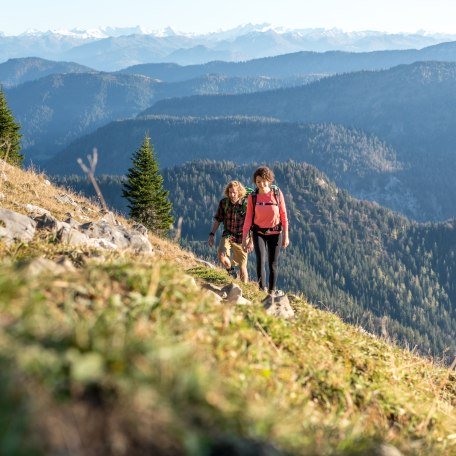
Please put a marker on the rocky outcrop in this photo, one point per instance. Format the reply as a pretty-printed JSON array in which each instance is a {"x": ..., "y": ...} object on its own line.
[
  {"x": 16, "y": 227},
  {"x": 106, "y": 233},
  {"x": 278, "y": 305},
  {"x": 229, "y": 294}
]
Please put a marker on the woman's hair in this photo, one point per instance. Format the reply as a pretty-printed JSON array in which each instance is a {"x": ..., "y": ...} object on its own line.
[
  {"x": 236, "y": 184},
  {"x": 265, "y": 173}
]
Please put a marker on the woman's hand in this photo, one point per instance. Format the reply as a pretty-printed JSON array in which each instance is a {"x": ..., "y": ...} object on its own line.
[
  {"x": 247, "y": 244},
  {"x": 285, "y": 240}
]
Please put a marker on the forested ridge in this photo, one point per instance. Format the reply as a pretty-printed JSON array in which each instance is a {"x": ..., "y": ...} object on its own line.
[
  {"x": 356, "y": 161},
  {"x": 364, "y": 262}
]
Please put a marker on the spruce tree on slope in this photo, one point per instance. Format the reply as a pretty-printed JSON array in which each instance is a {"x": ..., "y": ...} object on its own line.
[
  {"x": 149, "y": 203},
  {"x": 9, "y": 134}
]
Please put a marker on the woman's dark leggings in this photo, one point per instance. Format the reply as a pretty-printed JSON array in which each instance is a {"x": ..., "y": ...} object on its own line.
[{"x": 270, "y": 243}]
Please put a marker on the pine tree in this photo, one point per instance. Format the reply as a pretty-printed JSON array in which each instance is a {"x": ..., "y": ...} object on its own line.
[
  {"x": 9, "y": 134},
  {"x": 149, "y": 203}
]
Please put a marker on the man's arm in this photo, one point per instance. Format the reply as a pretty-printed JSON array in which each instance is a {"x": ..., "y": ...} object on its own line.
[{"x": 214, "y": 229}]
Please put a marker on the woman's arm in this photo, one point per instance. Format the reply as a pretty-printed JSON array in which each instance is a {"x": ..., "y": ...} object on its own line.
[
  {"x": 284, "y": 221},
  {"x": 247, "y": 224}
]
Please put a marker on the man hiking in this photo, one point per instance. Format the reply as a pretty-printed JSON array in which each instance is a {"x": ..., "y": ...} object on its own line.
[{"x": 231, "y": 212}]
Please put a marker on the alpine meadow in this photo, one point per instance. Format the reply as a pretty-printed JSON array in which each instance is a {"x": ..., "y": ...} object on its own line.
[{"x": 125, "y": 327}]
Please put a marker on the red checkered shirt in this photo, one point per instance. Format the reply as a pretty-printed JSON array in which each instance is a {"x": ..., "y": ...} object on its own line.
[{"x": 232, "y": 216}]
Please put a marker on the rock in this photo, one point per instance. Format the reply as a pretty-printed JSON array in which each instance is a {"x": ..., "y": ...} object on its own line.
[
  {"x": 66, "y": 263},
  {"x": 241, "y": 301},
  {"x": 71, "y": 221},
  {"x": 103, "y": 235},
  {"x": 68, "y": 235},
  {"x": 215, "y": 295},
  {"x": 117, "y": 235},
  {"x": 191, "y": 281},
  {"x": 103, "y": 230},
  {"x": 39, "y": 266},
  {"x": 66, "y": 199},
  {"x": 2, "y": 196},
  {"x": 205, "y": 263},
  {"x": 278, "y": 306},
  {"x": 386, "y": 450},
  {"x": 110, "y": 218},
  {"x": 35, "y": 211},
  {"x": 140, "y": 243},
  {"x": 140, "y": 228},
  {"x": 3, "y": 176},
  {"x": 16, "y": 227},
  {"x": 48, "y": 222},
  {"x": 233, "y": 292},
  {"x": 215, "y": 289}
]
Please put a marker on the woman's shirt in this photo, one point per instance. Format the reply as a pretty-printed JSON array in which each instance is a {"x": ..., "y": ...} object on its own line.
[{"x": 267, "y": 215}]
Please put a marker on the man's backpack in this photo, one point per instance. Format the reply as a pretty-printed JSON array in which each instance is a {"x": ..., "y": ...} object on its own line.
[{"x": 249, "y": 191}]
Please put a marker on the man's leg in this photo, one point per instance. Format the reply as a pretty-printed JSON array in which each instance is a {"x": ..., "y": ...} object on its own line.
[
  {"x": 223, "y": 253},
  {"x": 240, "y": 259}
]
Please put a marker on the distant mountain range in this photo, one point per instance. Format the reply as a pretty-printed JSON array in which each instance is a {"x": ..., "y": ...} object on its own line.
[{"x": 110, "y": 49}]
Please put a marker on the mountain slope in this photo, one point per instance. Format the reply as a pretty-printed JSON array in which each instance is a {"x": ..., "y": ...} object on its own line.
[
  {"x": 130, "y": 356},
  {"x": 17, "y": 71},
  {"x": 299, "y": 63}
]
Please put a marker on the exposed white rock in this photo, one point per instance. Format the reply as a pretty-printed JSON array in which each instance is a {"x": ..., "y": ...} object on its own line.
[
  {"x": 35, "y": 210},
  {"x": 205, "y": 263},
  {"x": 278, "y": 306},
  {"x": 66, "y": 199},
  {"x": 241, "y": 301},
  {"x": 233, "y": 292},
  {"x": 16, "y": 227}
]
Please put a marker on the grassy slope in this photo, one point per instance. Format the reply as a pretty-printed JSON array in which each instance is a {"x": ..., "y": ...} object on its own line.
[{"x": 125, "y": 355}]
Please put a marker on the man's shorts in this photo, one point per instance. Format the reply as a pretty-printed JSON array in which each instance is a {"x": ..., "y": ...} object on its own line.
[{"x": 239, "y": 254}]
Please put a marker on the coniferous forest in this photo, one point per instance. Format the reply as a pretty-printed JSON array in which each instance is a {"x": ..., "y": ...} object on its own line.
[{"x": 373, "y": 267}]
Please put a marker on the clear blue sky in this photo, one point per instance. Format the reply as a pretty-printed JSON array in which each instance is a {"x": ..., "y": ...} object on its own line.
[{"x": 209, "y": 15}]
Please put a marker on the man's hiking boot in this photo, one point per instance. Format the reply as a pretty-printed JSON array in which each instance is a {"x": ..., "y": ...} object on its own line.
[{"x": 232, "y": 272}]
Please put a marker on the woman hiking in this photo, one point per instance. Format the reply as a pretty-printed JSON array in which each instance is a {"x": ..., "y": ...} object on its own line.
[
  {"x": 231, "y": 212},
  {"x": 266, "y": 218}
]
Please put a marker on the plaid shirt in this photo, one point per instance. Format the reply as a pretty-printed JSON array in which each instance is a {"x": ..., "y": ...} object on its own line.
[{"x": 232, "y": 216}]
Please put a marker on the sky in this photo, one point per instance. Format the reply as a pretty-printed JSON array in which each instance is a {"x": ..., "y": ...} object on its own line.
[{"x": 202, "y": 16}]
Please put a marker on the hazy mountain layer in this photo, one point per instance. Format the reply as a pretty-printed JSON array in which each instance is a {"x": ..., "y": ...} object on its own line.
[
  {"x": 17, "y": 71},
  {"x": 299, "y": 63}
]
